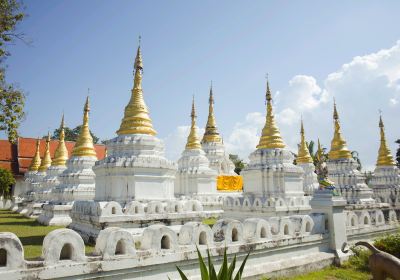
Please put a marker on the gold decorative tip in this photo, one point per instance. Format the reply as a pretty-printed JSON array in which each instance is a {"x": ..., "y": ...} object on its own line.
[
  {"x": 271, "y": 137},
  {"x": 339, "y": 148},
  {"x": 46, "y": 161},
  {"x": 303, "y": 155},
  {"x": 193, "y": 140},
  {"x": 136, "y": 117},
  {"x": 84, "y": 144},
  {"x": 36, "y": 161},
  {"x": 385, "y": 157},
  {"x": 211, "y": 133},
  {"x": 61, "y": 153}
]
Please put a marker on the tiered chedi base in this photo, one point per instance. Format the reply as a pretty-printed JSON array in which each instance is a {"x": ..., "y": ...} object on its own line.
[
  {"x": 77, "y": 183},
  {"x": 218, "y": 158},
  {"x": 50, "y": 181},
  {"x": 349, "y": 181},
  {"x": 194, "y": 174},
  {"x": 271, "y": 173},
  {"x": 135, "y": 169},
  {"x": 310, "y": 180},
  {"x": 385, "y": 184}
]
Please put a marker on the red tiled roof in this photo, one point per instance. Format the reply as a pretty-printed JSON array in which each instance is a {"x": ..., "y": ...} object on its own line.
[
  {"x": 8, "y": 156},
  {"x": 18, "y": 157}
]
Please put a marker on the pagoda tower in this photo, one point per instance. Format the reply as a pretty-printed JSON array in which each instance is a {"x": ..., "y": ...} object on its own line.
[
  {"x": 385, "y": 181},
  {"x": 213, "y": 144},
  {"x": 194, "y": 174},
  {"x": 30, "y": 175},
  {"x": 58, "y": 165},
  {"x": 305, "y": 161},
  {"x": 342, "y": 169},
  {"x": 77, "y": 181},
  {"x": 271, "y": 172},
  {"x": 135, "y": 166},
  {"x": 37, "y": 183}
]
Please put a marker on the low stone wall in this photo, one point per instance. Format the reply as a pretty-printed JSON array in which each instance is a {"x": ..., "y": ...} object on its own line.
[
  {"x": 368, "y": 223},
  {"x": 89, "y": 217},
  {"x": 288, "y": 244}
]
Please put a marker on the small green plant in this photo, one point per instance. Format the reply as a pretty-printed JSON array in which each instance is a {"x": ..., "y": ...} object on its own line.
[
  {"x": 389, "y": 244},
  {"x": 225, "y": 272},
  {"x": 358, "y": 261}
]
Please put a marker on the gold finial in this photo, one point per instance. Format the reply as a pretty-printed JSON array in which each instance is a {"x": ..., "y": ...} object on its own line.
[
  {"x": 46, "y": 161},
  {"x": 211, "y": 133},
  {"x": 193, "y": 140},
  {"x": 271, "y": 137},
  {"x": 136, "y": 117},
  {"x": 339, "y": 148},
  {"x": 61, "y": 153},
  {"x": 84, "y": 144},
  {"x": 385, "y": 157},
  {"x": 36, "y": 161},
  {"x": 303, "y": 156}
]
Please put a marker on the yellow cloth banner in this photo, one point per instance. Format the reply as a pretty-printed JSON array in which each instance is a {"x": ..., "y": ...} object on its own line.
[{"x": 229, "y": 183}]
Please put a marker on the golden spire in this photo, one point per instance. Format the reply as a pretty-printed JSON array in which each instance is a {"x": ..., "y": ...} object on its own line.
[
  {"x": 193, "y": 140},
  {"x": 84, "y": 143},
  {"x": 61, "y": 153},
  {"x": 271, "y": 137},
  {"x": 211, "y": 133},
  {"x": 136, "y": 118},
  {"x": 303, "y": 155},
  {"x": 35, "y": 163},
  {"x": 385, "y": 158},
  {"x": 339, "y": 148},
  {"x": 46, "y": 161}
]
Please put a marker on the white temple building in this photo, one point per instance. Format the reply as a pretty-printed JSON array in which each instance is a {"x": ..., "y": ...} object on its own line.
[
  {"x": 213, "y": 144},
  {"x": 271, "y": 172},
  {"x": 305, "y": 161},
  {"x": 385, "y": 181},
  {"x": 194, "y": 176},
  {"x": 76, "y": 181},
  {"x": 342, "y": 169}
]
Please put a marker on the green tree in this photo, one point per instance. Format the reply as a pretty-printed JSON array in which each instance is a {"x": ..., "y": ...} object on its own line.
[
  {"x": 398, "y": 153},
  {"x": 72, "y": 134},
  {"x": 239, "y": 164},
  {"x": 12, "y": 100},
  {"x": 6, "y": 181}
]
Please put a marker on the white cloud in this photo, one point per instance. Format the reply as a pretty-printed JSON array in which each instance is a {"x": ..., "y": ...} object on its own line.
[{"x": 245, "y": 135}]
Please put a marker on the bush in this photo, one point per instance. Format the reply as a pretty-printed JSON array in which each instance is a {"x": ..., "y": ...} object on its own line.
[
  {"x": 358, "y": 261},
  {"x": 389, "y": 244}
]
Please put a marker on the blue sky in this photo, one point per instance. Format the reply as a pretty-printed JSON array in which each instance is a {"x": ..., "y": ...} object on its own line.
[{"x": 303, "y": 45}]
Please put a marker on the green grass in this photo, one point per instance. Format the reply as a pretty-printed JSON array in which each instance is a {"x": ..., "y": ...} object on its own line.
[
  {"x": 333, "y": 273},
  {"x": 29, "y": 231},
  {"x": 209, "y": 221}
]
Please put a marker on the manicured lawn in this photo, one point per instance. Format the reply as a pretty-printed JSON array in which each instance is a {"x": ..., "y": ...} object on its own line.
[
  {"x": 29, "y": 231},
  {"x": 333, "y": 273}
]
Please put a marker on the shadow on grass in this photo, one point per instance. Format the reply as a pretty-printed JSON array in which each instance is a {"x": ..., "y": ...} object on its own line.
[
  {"x": 17, "y": 216},
  {"x": 32, "y": 240},
  {"x": 26, "y": 223}
]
